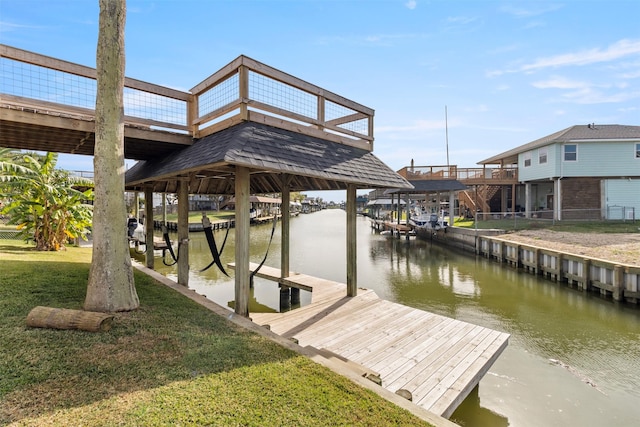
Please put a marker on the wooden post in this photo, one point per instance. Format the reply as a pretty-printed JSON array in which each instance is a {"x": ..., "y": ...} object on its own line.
[
  {"x": 164, "y": 209},
  {"x": 587, "y": 274},
  {"x": 452, "y": 203},
  {"x": 242, "y": 188},
  {"x": 148, "y": 225},
  {"x": 183, "y": 232},
  {"x": 618, "y": 283},
  {"x": 352, "y": 260},
  {"x": 407, "y": 209},
  {"x": 243, "y": 77},
  {"x": 284, "y": 242},
  {"x": 136, "y": 205},
  {"x": 193, "y": 111}
]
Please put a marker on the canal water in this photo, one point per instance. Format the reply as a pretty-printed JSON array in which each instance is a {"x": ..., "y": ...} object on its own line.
[{"x": 573, "y": 359}]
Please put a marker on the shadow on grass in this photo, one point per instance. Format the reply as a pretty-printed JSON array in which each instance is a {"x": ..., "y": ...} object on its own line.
[{"x": 169, "y": 338}]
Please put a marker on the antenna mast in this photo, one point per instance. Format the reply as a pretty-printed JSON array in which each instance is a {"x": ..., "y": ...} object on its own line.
[{"x": 446, "y": 129}]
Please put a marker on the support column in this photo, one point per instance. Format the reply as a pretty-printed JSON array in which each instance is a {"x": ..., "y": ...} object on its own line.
[
  {"x": 136, "y": 205},
  {"x": 557, "y": 200},
  {"x": 352, "y": 260},
  {"x": 164, "y": 209},
  {"x": 452, "y": 205},
  {"x": 148, "y": 226},
  {"x": 408, "y": 207},
  {"x": 284, "y": 241},
  {"x": 242, "y": 188},
  {"x": 527, "y": 200},
  {"x": 183, "y": 232},
  {"x": 293, "y": 293}
]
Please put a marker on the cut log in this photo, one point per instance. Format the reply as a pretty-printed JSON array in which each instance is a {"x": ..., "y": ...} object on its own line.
[{"x": 63, "y": 318}]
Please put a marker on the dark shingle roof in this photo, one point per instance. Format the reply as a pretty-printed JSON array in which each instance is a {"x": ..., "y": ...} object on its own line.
[
  {"x": 429, "y": 185},
  {"x": 572, "y": 134},
  {"x": 314, "y": 163}
]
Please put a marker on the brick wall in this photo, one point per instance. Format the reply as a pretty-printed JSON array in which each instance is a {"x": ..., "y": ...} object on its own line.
[{"x": 582, "y": 194}]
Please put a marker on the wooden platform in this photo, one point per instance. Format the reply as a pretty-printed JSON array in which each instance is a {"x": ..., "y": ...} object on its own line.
[{"x": 437, "y": 359}]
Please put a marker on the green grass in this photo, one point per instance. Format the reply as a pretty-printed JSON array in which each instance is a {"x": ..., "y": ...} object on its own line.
[
  {"x": 570, "y": 226},
  {"x": 171, "y": 362}
]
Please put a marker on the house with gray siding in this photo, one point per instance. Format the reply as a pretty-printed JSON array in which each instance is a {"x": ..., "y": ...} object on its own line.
[{"x": 582, "y": 172}]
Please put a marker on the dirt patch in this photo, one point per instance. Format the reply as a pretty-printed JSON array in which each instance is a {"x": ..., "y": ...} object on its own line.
[{"x": 623, "y": 248}]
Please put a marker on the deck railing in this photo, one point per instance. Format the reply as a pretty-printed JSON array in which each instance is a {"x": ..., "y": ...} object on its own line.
[
  {"x": 244, "y": 89},
  {"x": 466, "y": 175},
  {"x": 47, "y": 84}
]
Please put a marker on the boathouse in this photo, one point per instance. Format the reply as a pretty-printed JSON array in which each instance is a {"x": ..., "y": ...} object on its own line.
[{"x": 251, "y": 129}]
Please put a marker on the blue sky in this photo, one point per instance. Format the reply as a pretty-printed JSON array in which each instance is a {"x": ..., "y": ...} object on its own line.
[{"x": 507, "y": 72}]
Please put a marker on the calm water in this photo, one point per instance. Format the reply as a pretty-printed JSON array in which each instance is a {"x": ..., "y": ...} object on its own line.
[{"x": 572, "y": 360}]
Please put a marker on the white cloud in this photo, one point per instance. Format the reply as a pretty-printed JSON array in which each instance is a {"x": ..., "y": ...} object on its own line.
[
  {"x": 620, "y": 49},
  {"x": 617, "y": 50},
  {"x": 411, "y": 4},
  {"x": 520, "y": 12},
  {"x": 559, "y": 83}
]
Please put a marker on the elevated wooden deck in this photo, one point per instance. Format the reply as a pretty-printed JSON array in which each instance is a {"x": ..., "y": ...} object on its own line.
[
  {"x": 48, "y": 104},
  {"x": 437, "y": 359}
]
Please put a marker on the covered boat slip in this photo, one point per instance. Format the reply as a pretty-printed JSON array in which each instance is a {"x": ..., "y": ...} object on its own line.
[
  {"x": 251, "y": 129},
  {"x": 438, "y": 360}
]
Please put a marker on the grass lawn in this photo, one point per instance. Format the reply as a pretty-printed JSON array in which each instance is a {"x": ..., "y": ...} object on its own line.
[
  {"x": 171, "y": 362},
  {"x": 569, "y": 226}
]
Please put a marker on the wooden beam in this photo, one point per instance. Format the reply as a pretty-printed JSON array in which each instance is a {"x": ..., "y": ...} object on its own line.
[
  {"x": 148, "y": 225},
  {"x": 183, "y": 232},
  {"x": 257, "y": 117},
  {"x": 284, "y": 209},
  {"x": 242, "y": 185},
  {"x": 352, "y": 260}
]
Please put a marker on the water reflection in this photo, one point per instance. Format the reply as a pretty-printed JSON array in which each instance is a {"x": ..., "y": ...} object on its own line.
[{"x": 572, "y": 359}]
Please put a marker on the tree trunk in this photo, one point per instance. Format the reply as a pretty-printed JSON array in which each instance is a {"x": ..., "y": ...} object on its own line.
[{"x": 111, "y": 286}]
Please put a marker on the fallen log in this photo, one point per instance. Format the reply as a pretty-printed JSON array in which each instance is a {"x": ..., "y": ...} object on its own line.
[{"x": 63, "y": 318}]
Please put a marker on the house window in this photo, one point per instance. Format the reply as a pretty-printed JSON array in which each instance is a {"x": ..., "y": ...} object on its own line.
[
  {"x": 570, "y": 153},
  {"x": 527, "y": 159},
  {"x": 542, "y": 156},
  {"x": 637, "y": 151}
]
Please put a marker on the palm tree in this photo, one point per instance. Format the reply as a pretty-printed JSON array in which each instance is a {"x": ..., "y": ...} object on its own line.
[{"x": 47, "y": 204}]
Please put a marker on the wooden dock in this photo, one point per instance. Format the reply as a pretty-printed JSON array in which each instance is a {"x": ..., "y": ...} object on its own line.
[{"x": 438, "y": 360}]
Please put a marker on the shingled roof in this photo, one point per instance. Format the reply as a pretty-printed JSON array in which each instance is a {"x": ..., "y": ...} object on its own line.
[
  {"x": 313, "y": 163},
  {"x": 429, "y": 186},
  {"x": 590, "y": 132}
]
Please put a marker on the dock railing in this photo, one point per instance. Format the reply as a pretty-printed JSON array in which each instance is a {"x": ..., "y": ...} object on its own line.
[
  {"x": 242, "y": 90},
  {"x": 500, "y": 175}
]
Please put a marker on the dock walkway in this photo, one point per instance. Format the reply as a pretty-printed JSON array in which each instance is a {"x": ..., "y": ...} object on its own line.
[{"x": 438, "y": 360}]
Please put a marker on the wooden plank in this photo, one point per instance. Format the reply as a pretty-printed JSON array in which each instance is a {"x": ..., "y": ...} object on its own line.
[
  {"x": 455, "y": 393},
  {"x": 438, "y": 359},
  {"x": 370, "y": 329},
  {"x": 425, "y": 354},
  {"x": 326, "y": 316},
  {"x": 389, "y": 343},
  {"x": 394, "y": 361}
]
